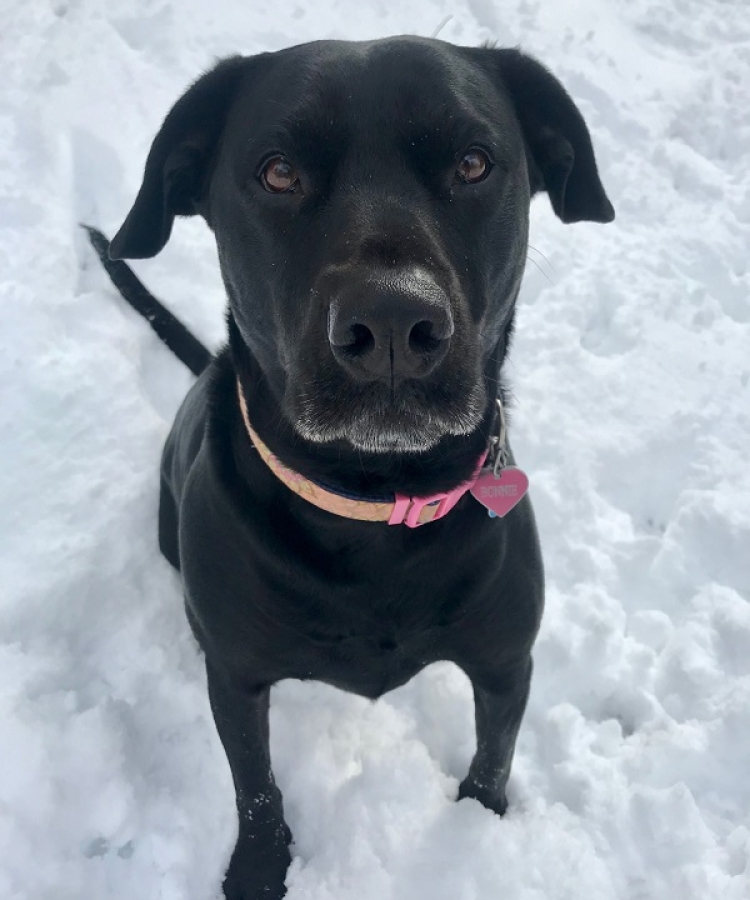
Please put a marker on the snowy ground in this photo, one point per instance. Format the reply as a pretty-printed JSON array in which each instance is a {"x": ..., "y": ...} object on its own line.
[{"x": 632, "y": 376}]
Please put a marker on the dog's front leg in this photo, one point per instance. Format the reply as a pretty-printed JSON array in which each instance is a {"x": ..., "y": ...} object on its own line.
[
  {"x": 499, "y": 704},
  {"x": 261, "y": 857}
]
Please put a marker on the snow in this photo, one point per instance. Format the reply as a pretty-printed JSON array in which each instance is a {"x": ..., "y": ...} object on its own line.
[{"x": 631, "y": 372}]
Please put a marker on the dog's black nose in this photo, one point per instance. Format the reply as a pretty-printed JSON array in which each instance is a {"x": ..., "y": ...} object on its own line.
[{"x": 390, "y": 328}]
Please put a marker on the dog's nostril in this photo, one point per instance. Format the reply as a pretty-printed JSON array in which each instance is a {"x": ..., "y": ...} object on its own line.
[
  {"x": 422, "y": 338},
  {"x": 362, "y": 341}
]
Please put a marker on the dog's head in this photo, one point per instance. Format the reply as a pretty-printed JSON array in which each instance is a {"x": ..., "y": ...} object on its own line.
[{"x": 370, "y": 206}]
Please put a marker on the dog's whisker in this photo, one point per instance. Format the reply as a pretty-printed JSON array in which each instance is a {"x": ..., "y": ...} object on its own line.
[
  {"x": 552, "y": 269},
  {"x": 545, "y": 258},
  {"x": 441, "y": 26},
  {"x": 532, "y": 260}
]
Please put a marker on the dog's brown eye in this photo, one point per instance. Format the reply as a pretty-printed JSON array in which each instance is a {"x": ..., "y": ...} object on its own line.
[
  {"x": 279, "y": 175},
  {"x": 474, "y": 166}
]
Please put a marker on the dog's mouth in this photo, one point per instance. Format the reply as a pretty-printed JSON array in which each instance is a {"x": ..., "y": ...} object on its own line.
[{"x": 373, "y": 420}]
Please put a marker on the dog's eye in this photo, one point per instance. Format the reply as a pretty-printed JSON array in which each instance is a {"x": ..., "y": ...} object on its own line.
[
  {"x": 279, "y": 175},
  {"x": 474, "y": 166}
]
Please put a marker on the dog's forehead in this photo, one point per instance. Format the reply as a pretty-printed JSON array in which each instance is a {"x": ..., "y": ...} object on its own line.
[{"x": 405, "y": 85}]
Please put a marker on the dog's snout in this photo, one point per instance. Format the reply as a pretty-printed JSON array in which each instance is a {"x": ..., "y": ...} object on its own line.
[{"x": 391, "y": 328}]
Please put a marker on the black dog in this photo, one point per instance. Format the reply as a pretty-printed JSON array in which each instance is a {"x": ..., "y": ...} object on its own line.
[{"x": 370, "y": 205}]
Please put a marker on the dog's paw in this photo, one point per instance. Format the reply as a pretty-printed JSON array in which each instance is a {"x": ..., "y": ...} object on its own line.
[
  {"x": 257, "y": 874},
  {"x": 237, "y": 887},
  {"x": 492, "y": 800}
]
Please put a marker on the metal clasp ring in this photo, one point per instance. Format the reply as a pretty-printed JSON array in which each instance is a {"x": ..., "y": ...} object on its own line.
[{"x": 498, "y": 443}]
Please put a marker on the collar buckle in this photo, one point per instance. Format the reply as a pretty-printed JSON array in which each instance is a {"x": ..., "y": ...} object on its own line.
[{"x": 416, "y": 511}]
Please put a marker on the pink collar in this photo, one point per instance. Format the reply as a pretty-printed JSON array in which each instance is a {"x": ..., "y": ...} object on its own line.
[{"x": 404, "y": 510}]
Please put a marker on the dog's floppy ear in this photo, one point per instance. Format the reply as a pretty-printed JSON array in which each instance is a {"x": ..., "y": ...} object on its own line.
[
  {"x": 562, "y": 158},
  {"x": 174, "y": 177}
]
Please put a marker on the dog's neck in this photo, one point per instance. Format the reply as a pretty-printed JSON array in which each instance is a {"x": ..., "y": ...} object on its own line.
[{"x": 450, "y": 463}]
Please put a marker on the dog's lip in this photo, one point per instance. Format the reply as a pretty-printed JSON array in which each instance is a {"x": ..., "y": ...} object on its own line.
[{"x": 393, "y": 424}]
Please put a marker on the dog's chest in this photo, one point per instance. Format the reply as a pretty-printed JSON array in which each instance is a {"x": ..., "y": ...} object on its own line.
[
  {"x": 369, "y": 657},
  {"x": 364, "y": 611},
  {"x": 365, "y": 636}
]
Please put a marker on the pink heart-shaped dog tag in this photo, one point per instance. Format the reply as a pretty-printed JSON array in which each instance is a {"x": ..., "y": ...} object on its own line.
[{"x": 500, "y": 494}]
